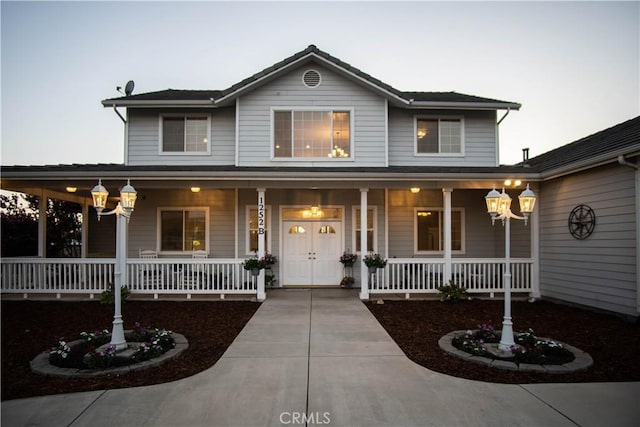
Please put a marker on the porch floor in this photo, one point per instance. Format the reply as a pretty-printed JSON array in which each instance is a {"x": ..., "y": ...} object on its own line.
[{"x": 321, "y": 353}]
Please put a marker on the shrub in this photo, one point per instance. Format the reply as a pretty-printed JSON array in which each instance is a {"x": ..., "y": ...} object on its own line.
[
  {"x": 452, "y": 292},
  {"x": 108, "y": 297}
]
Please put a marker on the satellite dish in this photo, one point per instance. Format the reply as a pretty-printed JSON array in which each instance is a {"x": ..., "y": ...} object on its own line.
[{"x": 128, "y": 89}]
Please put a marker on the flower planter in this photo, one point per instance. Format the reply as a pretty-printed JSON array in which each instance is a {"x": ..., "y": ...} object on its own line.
[
  {"x": 255, "y": 271},
  {"x": 373, "y": 269}
]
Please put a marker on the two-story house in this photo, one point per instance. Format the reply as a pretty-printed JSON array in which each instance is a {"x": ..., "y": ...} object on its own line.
[{"x": 307, "y": 159}]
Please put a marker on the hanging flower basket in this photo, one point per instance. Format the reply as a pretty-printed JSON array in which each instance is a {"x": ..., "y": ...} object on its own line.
[
  {"x": 254, "y": 265},
  {"x": 374, "y": 260},
  {"x": 348, "y": 259}
]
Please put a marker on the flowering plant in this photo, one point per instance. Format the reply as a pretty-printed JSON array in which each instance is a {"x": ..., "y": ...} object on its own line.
[
  {"x": 60, "y": 355},
  {"x": 348, "y": 259},
  {"x": 374, "y": 260},
  {"x": 268, "y": 259},
  {"x": 156, "y": 342},
  {"x": 101, "y": 357}
]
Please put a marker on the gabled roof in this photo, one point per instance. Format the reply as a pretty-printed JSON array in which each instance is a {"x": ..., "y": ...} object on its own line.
[
  {"x": 199, "y": 98},
  {"x": 604, "y": 146}
]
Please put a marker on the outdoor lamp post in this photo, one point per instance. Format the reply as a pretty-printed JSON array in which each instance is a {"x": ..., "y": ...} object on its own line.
[
  {"x": 123, "y": 210},
  {"x": 499, "y": 207}
]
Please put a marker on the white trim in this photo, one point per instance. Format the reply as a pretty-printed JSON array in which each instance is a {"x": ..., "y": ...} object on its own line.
[
  {"x": 438, "y": 118},
  {"x": 354, "y": 239},
  {"x": 292, "y": 109},
  {"x": 247, "y": 229},
  {"x": 161, "y": 209},
  {"x": 462, "y": 249},
  {"x": 183, "y": 153}
]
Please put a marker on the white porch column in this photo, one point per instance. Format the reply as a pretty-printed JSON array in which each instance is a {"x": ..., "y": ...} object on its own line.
[
  {"x": 534, "y": 221},
  {"x": 364, "y": 271},
  {"x": 446, "y": 200},
  {"x": 261, "y": 294},
  {"x": 42, "y": 226}
]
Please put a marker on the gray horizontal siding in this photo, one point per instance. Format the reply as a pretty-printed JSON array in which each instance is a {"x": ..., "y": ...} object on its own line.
[
  {"x": 479, "y": 133},
  {"x": 599, "y": 271},
  {"x": 144, "y": 139},
  {"x": 289, "y": 91}
]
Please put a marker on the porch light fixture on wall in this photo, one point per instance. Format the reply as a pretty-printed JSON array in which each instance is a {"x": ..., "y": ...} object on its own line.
[
  {"x": 499, "y": 207},
  {"x": 124, "y": 209}
]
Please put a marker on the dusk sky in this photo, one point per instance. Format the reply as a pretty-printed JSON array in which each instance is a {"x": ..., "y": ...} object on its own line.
[{"x": 574, "y": 66}]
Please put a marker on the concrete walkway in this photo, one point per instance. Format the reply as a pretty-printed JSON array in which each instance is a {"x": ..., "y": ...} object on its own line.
[{"x": 318, "y": 357}]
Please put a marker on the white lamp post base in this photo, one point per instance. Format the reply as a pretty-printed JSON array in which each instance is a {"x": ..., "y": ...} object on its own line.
[
  {"x": 117, "y": 334},
  {"x": 506, "y": 339}
]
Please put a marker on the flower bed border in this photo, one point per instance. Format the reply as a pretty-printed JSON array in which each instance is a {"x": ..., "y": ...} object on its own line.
[
  {"x": 582, "y": 361},
  {"x": 40, "y": 364}
]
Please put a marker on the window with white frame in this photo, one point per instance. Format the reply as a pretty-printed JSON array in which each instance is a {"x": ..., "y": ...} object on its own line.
[
  {"x": 185, "y": 134},
  {"x": 312, "y": 134},
  {"x": 429, "y": 229},
  {"x": 371, "y": 227},
  {"x": 183, "y": 229},
  {"x": 438, "y": 135},
  {"x": 252, "y": 229}
]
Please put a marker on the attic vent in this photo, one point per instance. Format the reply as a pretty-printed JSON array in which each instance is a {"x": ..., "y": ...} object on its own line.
[{"x": 311, "y": 78}]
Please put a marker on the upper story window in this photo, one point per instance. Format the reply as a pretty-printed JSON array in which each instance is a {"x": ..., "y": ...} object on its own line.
[
  {"x": 312, "y": 134},
  {"x": 185, "y": 134},
  {"x": 438, "y": 135}
]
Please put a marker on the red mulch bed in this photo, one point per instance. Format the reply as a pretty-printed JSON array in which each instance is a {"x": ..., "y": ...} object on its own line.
[
  {"x": 31, "y": 327},
  {"x": 613, "y": 343}
]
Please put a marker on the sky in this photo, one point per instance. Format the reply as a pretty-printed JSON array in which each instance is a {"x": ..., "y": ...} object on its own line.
[{"x": 574, "y": 66}]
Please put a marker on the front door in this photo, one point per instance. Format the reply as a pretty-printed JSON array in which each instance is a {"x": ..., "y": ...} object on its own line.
[{"x": 311, "y": 253}]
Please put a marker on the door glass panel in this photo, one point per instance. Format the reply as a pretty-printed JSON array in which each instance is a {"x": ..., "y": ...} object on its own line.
[
  {"x": 297, "y": 229},
  {"x": 326, "y": 229}
]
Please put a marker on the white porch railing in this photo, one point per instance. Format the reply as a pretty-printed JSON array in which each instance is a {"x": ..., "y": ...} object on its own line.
[
  {"x": 482, "y": 275},
  {"x": 226, "y": 276},
  {"x": 155, "y": 276}
]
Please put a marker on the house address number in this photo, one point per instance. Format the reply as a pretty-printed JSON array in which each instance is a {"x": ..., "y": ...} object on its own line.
[{"x": 260, "y": 215}]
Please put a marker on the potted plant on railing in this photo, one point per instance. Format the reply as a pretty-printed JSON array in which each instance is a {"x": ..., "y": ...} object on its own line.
[
  {"x": 254, "y": 265},
  {"x": 374, "y": 261}
]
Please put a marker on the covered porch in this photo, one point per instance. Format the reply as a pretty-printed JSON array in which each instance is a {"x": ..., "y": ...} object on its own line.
[{"x": 431, "y": 230}]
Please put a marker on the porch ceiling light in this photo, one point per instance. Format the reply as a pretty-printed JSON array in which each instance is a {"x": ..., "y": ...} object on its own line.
[
  {"x": 71, "y": 189},
  {"x": 195, "y": 189},
  {"x": 415, "y": 190}
]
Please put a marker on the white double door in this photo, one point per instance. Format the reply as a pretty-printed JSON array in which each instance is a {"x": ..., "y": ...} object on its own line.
[{"x": 311, "y": 253}]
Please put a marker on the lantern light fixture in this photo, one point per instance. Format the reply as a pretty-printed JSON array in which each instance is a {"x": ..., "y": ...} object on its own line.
[{"x": 499, "y": 207}]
